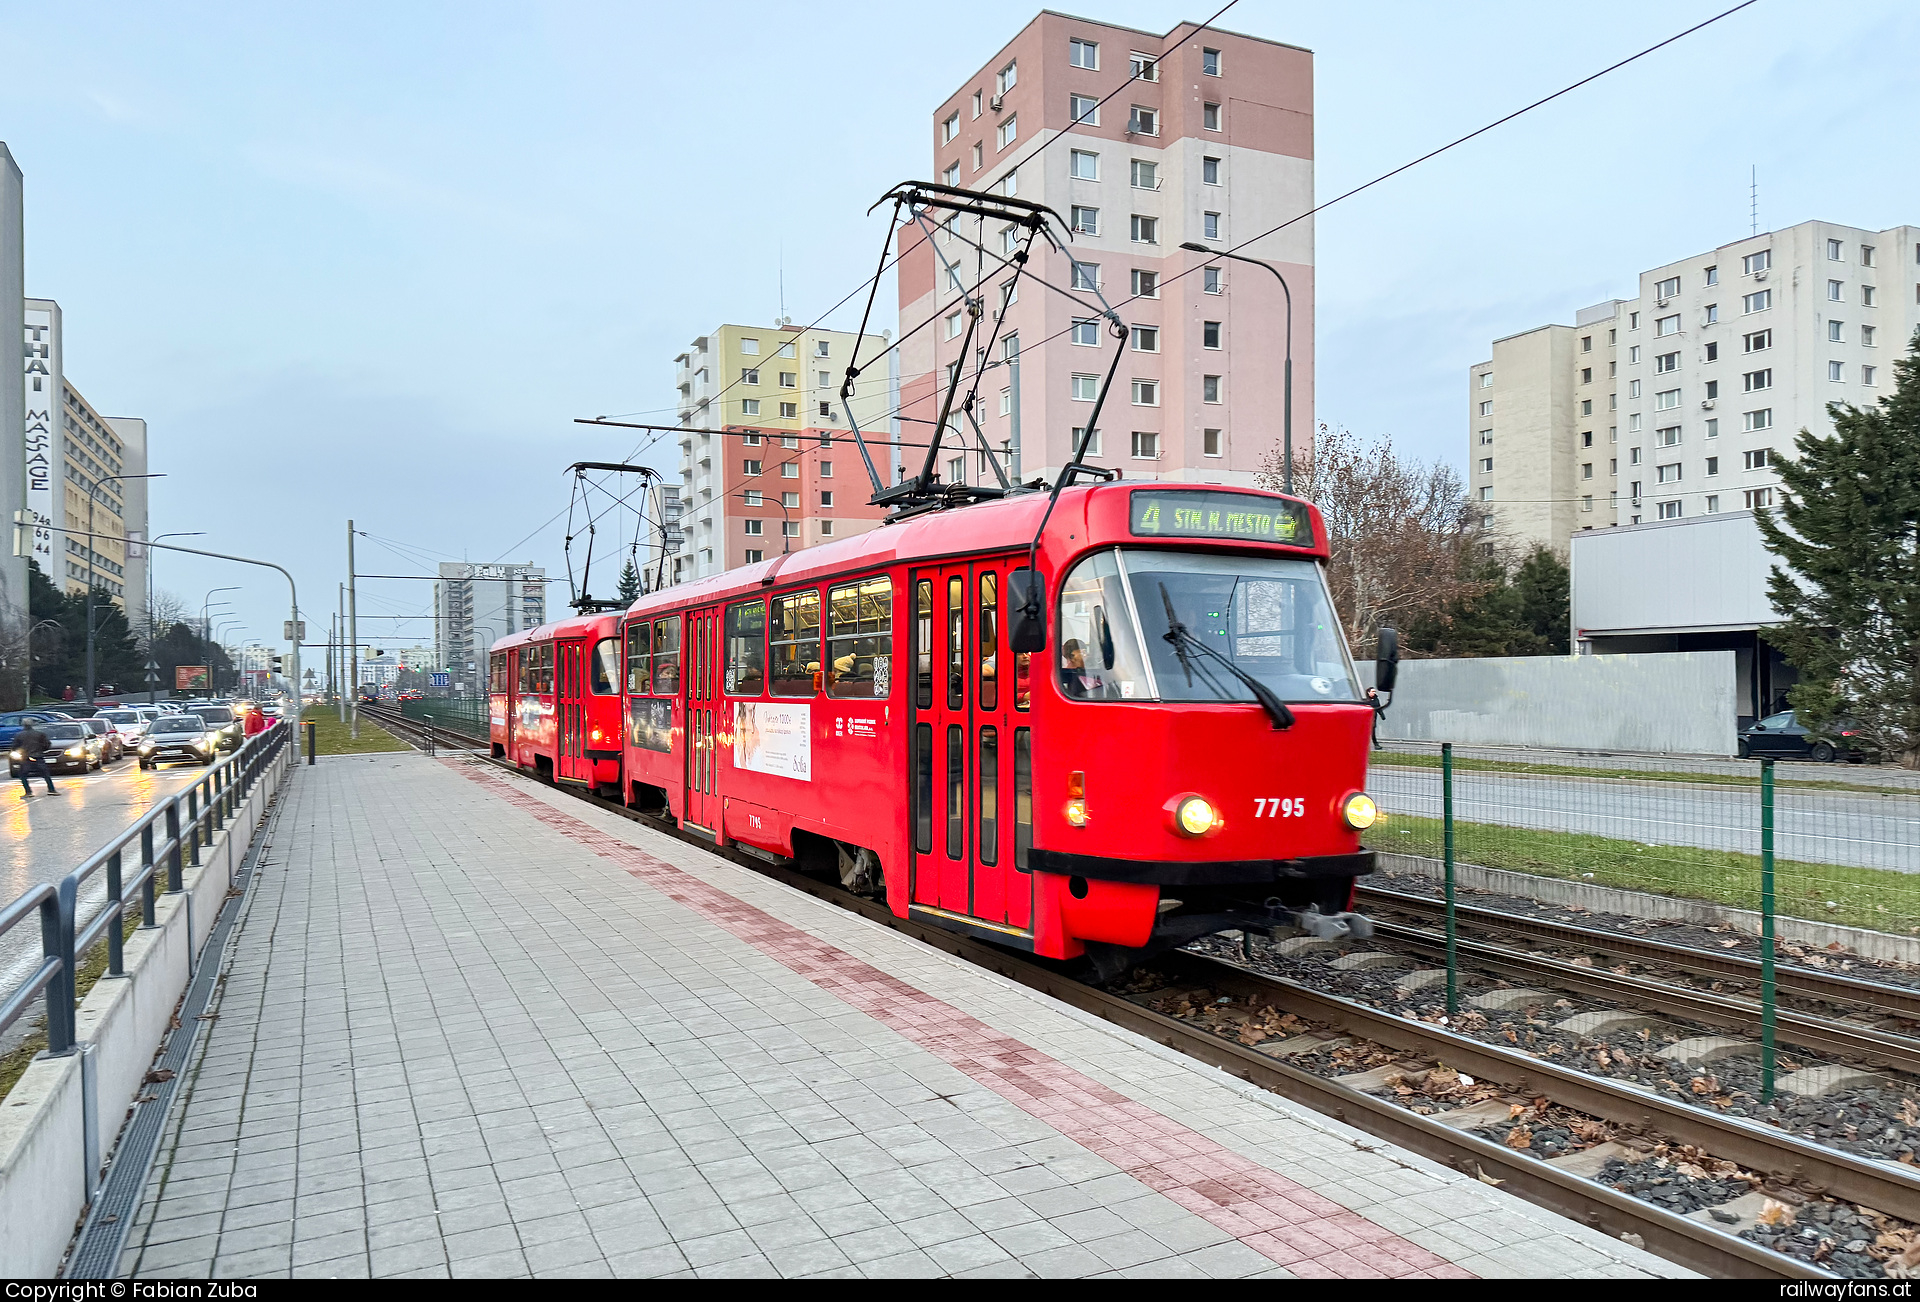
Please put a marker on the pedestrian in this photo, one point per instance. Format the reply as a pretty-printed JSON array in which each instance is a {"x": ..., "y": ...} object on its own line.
[
  {"x": 33, "y": 746},
  {"x": 257, "y": 722}
]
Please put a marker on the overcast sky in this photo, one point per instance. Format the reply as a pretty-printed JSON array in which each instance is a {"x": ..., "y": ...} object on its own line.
[{"x": 371, "y": 260}]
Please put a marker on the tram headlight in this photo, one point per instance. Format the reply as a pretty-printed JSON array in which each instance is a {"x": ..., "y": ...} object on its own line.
[
  {"x": 1359, "y": 811},
  {"x": 1077, "y": 798},
  {"x": 1195, "y": 815}
]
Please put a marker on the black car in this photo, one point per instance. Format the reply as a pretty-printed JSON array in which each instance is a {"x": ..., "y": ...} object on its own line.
[
  {"x": 72, "y": 747},
  {"x": 1783, "y": 736},
  {"x": 220, "y": 718},
  {"x": 179, "y": 737}
]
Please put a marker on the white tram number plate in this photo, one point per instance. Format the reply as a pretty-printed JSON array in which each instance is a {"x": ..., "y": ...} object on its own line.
[{"x": 1283, "y": 807}]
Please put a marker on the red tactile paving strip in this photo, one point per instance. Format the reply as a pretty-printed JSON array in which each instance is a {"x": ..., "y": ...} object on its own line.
[{"x": 1311, "y": 1236}]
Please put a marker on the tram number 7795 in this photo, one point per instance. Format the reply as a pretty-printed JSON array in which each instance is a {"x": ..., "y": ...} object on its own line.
[{"x": 1273, "y": 807}]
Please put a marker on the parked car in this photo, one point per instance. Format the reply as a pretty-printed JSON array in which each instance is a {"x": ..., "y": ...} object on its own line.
[
  {"x": 112, "y": 744},
  {"x": 174, "y": 737},
  {"x": 75, "y": 748},
  {"x": 220, "y": 718},
  {"x": 1783, "y": 736},
  {"x": 10, "y": 724}
]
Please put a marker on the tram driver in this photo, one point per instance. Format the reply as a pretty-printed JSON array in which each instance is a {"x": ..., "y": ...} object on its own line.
[{"x": 1076, "y": 680}]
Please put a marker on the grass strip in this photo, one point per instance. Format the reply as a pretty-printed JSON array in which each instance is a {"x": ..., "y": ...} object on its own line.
[
  {"x": 332, "y": 735},
  {"x": 1461, "y": 763},
  {"x": 93, "y": 966},
  {"x": 1876, "y": 898}
]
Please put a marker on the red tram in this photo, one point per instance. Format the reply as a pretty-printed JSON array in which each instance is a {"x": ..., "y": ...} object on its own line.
[
  {"x": 1187, "y": 754},
  {"x": 554, "y": 703}
]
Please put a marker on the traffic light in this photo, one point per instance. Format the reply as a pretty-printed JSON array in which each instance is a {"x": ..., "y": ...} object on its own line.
[{"x": 274, "y": 662}]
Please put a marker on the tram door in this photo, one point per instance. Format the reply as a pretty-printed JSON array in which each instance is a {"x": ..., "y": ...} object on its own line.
[
  {"x": 962, "y": 750},
  {"x": 701, "y": 658},
  {"x": 570, "y": 700}
]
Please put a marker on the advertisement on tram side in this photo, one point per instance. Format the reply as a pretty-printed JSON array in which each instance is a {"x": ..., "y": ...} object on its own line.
[{"x": 773, "y": 737}]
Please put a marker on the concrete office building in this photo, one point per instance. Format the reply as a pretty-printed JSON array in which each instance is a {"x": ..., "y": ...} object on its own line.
[
  {"x": 479, "y": 604},
  {"x": 1210, "y": 140},
  {"x": 13, "y": 472},
  {"x": 767, "y": 460},
  {"x": 76, "y": 466},
  {"x": 1640, "y": 440},
  {"x": 1674, "y": 404}
]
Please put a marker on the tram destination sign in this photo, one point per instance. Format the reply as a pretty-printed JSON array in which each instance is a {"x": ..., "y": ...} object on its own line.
[{"x": 1241, "y": 517}]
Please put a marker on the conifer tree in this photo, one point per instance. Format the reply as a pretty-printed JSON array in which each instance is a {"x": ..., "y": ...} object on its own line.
[
  {"x": 1847, "y": 532},
  {"x": 629, "y": 584}
]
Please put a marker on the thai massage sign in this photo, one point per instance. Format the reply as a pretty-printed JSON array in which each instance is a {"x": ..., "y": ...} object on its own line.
[{"x": 42, "y": 428}]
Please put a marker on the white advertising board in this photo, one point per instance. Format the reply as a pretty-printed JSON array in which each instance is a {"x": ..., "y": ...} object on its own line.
[{"x": 773, "y": 737}]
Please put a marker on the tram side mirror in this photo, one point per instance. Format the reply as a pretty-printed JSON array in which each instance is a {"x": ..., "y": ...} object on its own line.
[
  {"x": 1026, "y": 611},
  {"x": 1386, "y": 665}
]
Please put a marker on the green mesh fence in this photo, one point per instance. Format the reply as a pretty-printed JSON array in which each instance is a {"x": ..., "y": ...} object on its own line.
[{"x": 465, "y": 714}]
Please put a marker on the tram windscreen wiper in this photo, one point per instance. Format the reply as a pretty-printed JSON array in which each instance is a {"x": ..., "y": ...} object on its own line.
[{"x": 1180, "y": 638}]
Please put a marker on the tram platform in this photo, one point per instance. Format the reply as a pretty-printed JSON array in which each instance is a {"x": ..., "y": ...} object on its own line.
[{"x": 468, "y": 1026}]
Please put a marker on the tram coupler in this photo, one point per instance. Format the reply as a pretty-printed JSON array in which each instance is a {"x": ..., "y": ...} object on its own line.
[{"x": 1344, "y": 925}]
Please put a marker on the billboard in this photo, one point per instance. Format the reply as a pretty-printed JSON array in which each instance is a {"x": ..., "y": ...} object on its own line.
[{"x": 189, "y": 678}]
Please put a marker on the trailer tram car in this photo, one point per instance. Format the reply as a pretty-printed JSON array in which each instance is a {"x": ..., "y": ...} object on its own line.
[
  {"x": 554, "y": 703},
  {"x": 1187, "y": 753}
]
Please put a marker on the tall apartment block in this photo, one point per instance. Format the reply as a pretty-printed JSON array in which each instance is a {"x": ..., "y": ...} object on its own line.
[
  {"x": 767, "y": 461},
  {"x": 1676, "y": 404},
  {"x": 13, "y": 474},
  {"x": 1208, "y": 139},
  {"x": 478, "y": 605},
  {"x": 84, "y": 505}
]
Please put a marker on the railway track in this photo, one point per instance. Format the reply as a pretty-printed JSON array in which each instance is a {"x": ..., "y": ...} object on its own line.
[{"x": 1802, "y": 1171}]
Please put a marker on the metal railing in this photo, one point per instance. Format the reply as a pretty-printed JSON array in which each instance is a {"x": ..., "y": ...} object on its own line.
[{"x": 167, "y": 839}]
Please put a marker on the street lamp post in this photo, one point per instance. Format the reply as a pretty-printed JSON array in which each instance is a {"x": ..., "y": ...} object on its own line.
[
  {"x": 206, "y": 627},
  {"x": 153, "y": 673},
  {"x": 93, "y": 538},
  {"x": 26, "y": 700},
  {"x": 1286, "y": 445}
]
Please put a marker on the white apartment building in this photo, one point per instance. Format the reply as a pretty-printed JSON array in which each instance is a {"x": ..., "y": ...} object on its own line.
[
  {"x": 1676, "y": 403},
  {"x": 13, "y": 475},
  {"x": 480, "y": 604}
]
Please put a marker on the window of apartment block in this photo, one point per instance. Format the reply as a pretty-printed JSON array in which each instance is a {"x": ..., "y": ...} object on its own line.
[
  {"x": 1756, "y": 262},
  {"x": 1586, "y": 467},
  {"x": 952, "y": 175},
  {"x": 1486, "y": 407},
  {"x": 1009, "y": 131},
  {"x": 979, "y": 155},
  {"x": 1084, "y": 164},
  {"x": 1866, "y": 296},
  {"x": 1755, "y": 499},
  {"x": 1010, "y": 239},
  {"x": 1210, "y": 117},
  {"x": 1210, "y": 62},
  {"x": 826, "y": 469},
  {"x": 826, "y": 528},
  {"x": 1633, "y": 459},
  {"x": 950, "y": 128},
  {"x": 1586, "y": 343},
  {"x": 1143, "y": 67},
  {"x": 1667, "y": 436},
  {"x": 752, "y": 497},
  {"x": 789, "y": 410},
  {"x": 977, "y": 99},
  {"x": 1713, "y": 428},
  {"x": 1145, "y": 230},
  {"x": 1633, "y": 320},
  {"x": 1146, "y": 447},
  {"x": 1613, "y": 337},
  {"x": 789, "y": 443},
  {"x": 1486, "y": 465},
  {"x": 1210, "y": 443},
  {"x": 789, "y": 379},
  {"x": 1836, "y": 371},
  {"x": 1007, "y": 78},
  {"x": 1836, "y": 290},
  {"x": 1143, "y": 121},
  {"x": 1836, "y": 251},
  {"x": 1756, "y": 341},
  {"x": 1486, "y": 437},
  {"x": 754, "y": 555},
  {"x": 1752, "y": 380},
  {"x": 1006, "y": 401},
  {"x": 1760, "y": 302},
  {"x": 1093, "y": 441},
  {"x": 1669, "y": 510},
  {"x": 750, "y": 440},
  {"x": 826, "y": 410},
  {"x": 1866, "y": 255},
  {"x": 1486, "y": 379},
  {"x": 790, "y": 528},
  {"x": 1866, "y": 336},
  {"x": 1710, "y": 315},
  {"x": 749, "y": 406},
  {"x": 1762, "y": 419},
  {"x": 1633, "y": 423},
  {"x": 1210, "y": 225},
  {"x": 1083, "y": 54},
  {"x": 1146, "y": 393},
  {"x": 1145, "y": 175},
  {"x": 1713, "y": 466},
  {"x": 1867, "y": 374},
  {"x": 789, "y": 470},
  {"x": 1633, "y": 491},
  {"x": 1586, "y": 502},
  {"x": 1086, "y": 220},
  {"x": 750, "y": 467},
  {"x": 1713, "y": 352},
  {"x": 1146, "y": 284},
  {"x": 1664, "y": 362},
  {"x": 1210, "y": 280},
  {"x": 1146, "y": 339},
  {"x": 789, "y": 499},
  {"x": 1713, "y": 276},
  {"x": 1633, "y": 390},
  {"x": 1586, "y": 438},
  {"x": 954, "y": 324},
  {"x": 1086, "y": 275},
  {"x": 1668, "y": 288},
  {"x": 1666, "y": 325},
  {"x": 749, "y": 375},
  {"x": 1633, "y": 355},
  {"x": 1084, "y": 108},
  {"x": 1486, "y": 494},
  {"x": 1586, "y": 407},
  {"x": 1209, "y": 171},
  {"x": 753, "y": 527},
  {"x": 1085, "y": 332},
  {"x": 1613, "y": 465},
  {"x": 1210, "y": 336}
]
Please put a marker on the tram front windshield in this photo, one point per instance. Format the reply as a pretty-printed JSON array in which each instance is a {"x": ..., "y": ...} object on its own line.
[{"x": 1140, "y": 624}]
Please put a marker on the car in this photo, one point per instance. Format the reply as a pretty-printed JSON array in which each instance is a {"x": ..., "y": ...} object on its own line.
[
  {"x": 112, "y": 744},
  {"x": 180, "y": 737},
  {"x": 10, "y": 724},
  {"x": 75, "y": 748},
  {"x": 130, "y": 723},
  {"x": 1783, "y": 736},
  {"x": 221, "y": 718}
]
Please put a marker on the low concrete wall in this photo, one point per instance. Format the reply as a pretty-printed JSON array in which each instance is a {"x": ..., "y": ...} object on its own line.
[
  {"x": 1684, "y": 703},
  {"x": 1883, "y": 945},
  {"x": 45, "y": 1180}
]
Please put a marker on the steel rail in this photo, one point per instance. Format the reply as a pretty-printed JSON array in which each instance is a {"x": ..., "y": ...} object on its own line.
[
  {"x": 1691, "y": 1243},
  {"x": 1805, "y": 982}
]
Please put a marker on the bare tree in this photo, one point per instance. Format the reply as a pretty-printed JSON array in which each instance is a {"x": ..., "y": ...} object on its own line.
[
  {"x": 167, "y": 610},
  {"x": 1400, "y": 530}
]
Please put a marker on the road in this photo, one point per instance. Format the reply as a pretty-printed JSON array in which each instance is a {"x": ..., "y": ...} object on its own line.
[
  {"x": 49, "y": 836},
  {"x": 1833, "y": 827}
]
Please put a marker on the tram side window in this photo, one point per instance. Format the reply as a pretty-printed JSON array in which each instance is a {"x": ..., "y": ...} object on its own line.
[
  {"x": 860, "y": 639},
  {"x": 666, "y": 656},
  {"x": 604, "y": 674},
  {"x": 536, "y": 668},
  {"x": 497, "y": 673},
  {"x": 923, "y": 643},
  {"x": 794, "y": 640},
  {"x": 1022, "y": 669},
  {"x": 1022, "y": 797},
  {"x": 989, "y": 641},
  {"x": 639, "y": 658},
  {"x": 746, "y": 648}
]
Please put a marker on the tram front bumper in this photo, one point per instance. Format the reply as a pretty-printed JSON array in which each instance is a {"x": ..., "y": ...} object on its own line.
[{"x": 1228, "y": 872}]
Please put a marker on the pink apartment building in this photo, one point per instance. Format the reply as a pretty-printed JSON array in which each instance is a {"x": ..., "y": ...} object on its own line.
[{"x": 1209, "y": 138}]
